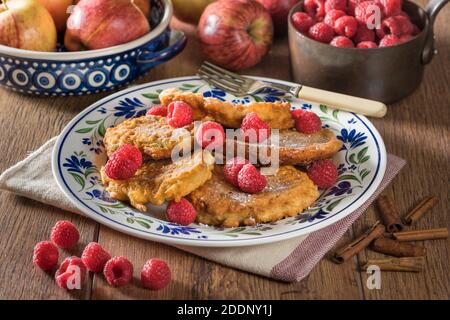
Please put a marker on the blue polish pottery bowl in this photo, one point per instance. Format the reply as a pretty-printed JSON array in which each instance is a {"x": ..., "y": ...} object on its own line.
[{"x": 85, "y": 72}]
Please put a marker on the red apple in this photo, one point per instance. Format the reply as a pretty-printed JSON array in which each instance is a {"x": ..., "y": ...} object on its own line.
[
  {"x": 97, "y": 24},
  {"x": 235, "y": 34},
  {"x": 279, "y": 10}
]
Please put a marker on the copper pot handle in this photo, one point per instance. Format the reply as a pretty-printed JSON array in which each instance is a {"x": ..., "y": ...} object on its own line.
[{"x": 433, "y": 7}]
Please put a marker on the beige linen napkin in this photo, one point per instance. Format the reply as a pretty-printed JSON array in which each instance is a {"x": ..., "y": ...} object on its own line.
[{"x": 288, "y": 260}]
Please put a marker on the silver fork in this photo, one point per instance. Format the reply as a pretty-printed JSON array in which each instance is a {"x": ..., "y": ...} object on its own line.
[{"x": 240, "y": 86}]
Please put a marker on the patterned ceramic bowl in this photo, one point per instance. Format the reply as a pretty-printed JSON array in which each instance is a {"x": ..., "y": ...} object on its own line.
[{"x": 78, "y": 73}]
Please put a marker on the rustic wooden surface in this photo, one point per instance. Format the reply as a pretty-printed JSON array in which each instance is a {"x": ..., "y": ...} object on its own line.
[{"x": 417, "y": 129}]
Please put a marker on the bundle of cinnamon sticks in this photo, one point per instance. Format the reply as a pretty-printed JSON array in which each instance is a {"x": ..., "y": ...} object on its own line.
[{"x": 387, "y": 237}]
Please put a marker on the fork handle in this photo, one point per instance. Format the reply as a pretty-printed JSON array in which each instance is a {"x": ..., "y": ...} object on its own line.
[{"x": 344, "y": 102}]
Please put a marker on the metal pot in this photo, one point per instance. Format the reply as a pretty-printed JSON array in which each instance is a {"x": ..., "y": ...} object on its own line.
[{"x": 385, "y": 74}]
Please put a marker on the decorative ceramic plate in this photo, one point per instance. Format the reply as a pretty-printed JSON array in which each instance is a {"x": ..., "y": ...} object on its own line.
[{"x": 79, "y": 153}]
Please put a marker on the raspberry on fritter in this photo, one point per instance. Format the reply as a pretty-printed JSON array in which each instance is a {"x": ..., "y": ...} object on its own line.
[
  {"x": 315, "y": 8},
  {"x": 346, "y": 26},
  {"x": 254, "y": 128},
  {"x": 65, "y": 235},
  {"x": 389, "y": 40},
  {"x": 366, "y": 45},
  {"x": 352, "y": 5},
  {"x": 232, "y": 168},
  {"x": 321, "y": 32},
  {"x": 179, "y": 114},
  {"x": 123, "y": 163},
  {"x": 155, "y": 274},
  {"x": 210, "y": 135},
  {"x": 182, "y": 212},
  {"x": 335, "y": 5},
  {"x": 391, "y": 7},
  {"x": 45, "y": 255},
  {"x": 308, "y": 122},
  {"x": 342, "y": 42},
  {"x": 363, "y": 34},
  {"x": 389, "y": 26},
  {"x": 95, "y": 257},
  {"x": 250, "y": 180},
  {"x": 323, "y": 173},
  {"x": 118, "y": 271},
  {"x": 302, "y": 22},
  {"x": 68, "y": 268},
  {"x": 364, "y": 12},
  {"x": 332, "y": 16},
  {"x": 158, "y": 110}
]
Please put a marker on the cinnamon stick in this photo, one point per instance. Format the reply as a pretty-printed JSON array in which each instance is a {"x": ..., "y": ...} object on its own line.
[
  {"x": 397, "y": 249},
  {"x": 345, "y": 253},
  {"x": 389, "y": 214},
  {"x": 407, "y": 264},
  {"x": 419, "y": 210},
  {"x": 417, "y": 235}
]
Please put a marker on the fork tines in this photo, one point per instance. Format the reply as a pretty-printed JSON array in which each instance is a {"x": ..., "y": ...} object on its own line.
[{"x": 223, "y": 79}]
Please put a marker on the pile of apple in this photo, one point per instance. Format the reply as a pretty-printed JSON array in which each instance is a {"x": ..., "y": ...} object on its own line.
[{"x": 83, "y": 24}]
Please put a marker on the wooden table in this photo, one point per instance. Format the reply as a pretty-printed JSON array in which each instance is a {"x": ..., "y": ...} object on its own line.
[{"x": 417, "y": 129}]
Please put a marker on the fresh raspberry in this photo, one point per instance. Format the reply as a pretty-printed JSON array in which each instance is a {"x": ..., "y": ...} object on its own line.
[
  {"x": 253, "y": 127},
  {"x": 315, "y": 8},
  {"x": 158, "y": 110},
  {"x": 182, "y": 212},
  {"x": 389, "y": 40},
  {"x": 302, "y": 22},
  {"x": 155, "y": 274},
  {"x": 232, "y": 168},
  {"x": 352, "y": 5},
  {"x": 321, "y": 32},
  {"x": 335, "y": 5},
  {"x": 346, "y": 26},
  {"x": 65, "y": 235},
  {"x": 250, "y": 180},
  {"x": 405, "y": 38},
  {"x": 332, "y": 16},
  {"x": 415, "y": 30},
  {"x": 296, "y": 113},
  {"x": 179, "y": 114},
  {"x": 405, "y": 24},
  {"x": 308, "y": 122},
  {"x": 391, "y": 7},
  {"x": 342, "y": 42},
  {"x": 364, "y": 12},
  {"x": 45, "y": 255},
  {"x": 323, "y": 173},
  {"x": 366, "y": 45},
  {"x": 363, "y": 34},
  {"x": 95, "y": 257},
  {"x": 67, "y": 269},
  {"x": 118, "y": 271},
  {"x": 389, "y": 26},
  {"x": 210, "y": 135},
  {"x": 123, "y": 163}
]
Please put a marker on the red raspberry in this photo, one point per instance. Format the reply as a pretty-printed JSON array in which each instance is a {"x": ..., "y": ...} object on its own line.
[
  {"x": 342, "y": 42},
  {"x": 323, "y": 173},
  {"x": 389, "y": 40},
  {"x": 346, "y": 26},
  {"x": 405, "y": 38},
  {"x": 315, "y": 8},
  {"x": 118, "y": 271},
  {"x": 95, "y": 257},
  {"x": 389, "y": 26},
  {"x": 366, "y": 45},
  {"x": 232, "y": 168},
  {"x": 182, "y": 212},
  {"x": 65, "y": 235},
  {"x": 405, "y": 24},
  {"x": 250, "y": 180},
  {"x": 67, "y": 269},
  {"x": 123, "y": 163},
  {"x": 253, "y": 127},
  {"x": 296, "y": 113},
  {"x": 352, "y": 5},
  {"x": 179, "y": 114},
  {"x": 364, "y": 12},
  {"x": 302, "y": 22},
  {"x": 308, "y": 122},
  {"x": 321, "y": 32},
  {"x": 155, "y": 274},
  {"x": 332, "y": 16},
  {"x": 391, "y": 7},
  {"x": 335, "y": 5},
  {"x": 363, "y": 34},
  {"x": 158, "y": 110},
  {"x": 45, "y": 255},
  {"x": 415, "y": 30},
  {"x": 210, "y": 135}
]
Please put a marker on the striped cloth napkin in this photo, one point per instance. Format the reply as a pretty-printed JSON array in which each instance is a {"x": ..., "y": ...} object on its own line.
[{"x": 289, "y": 260}]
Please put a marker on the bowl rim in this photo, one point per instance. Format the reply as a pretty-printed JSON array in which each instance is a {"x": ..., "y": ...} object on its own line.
[{"x": 89, "y": 54}]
